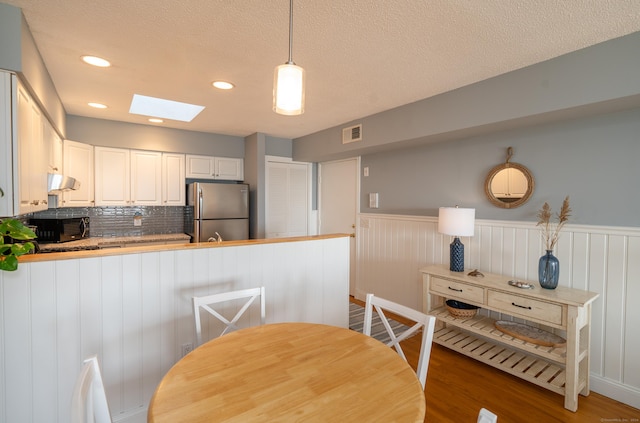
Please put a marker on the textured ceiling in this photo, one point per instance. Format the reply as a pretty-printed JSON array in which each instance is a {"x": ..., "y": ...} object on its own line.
[{"x": 361, "y": 56}]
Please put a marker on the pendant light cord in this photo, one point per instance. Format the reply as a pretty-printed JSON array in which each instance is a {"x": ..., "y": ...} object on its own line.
[{"x": 290, "y": 62}]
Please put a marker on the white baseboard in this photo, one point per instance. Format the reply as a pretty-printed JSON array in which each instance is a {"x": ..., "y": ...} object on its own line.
[
  {"x": 132, "y": 416},
  {"x": 614, "y": 390}
]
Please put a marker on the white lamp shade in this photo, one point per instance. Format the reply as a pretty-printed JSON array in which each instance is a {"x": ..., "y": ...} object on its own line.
[
  {"x": 288, "y": 90},
  {"x": 456, "y": 221}
]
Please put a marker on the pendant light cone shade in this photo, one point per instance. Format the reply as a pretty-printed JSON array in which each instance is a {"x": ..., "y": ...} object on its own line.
[
  {"x": 288, "y": 81},
  {"x": 288, "y": 90}
]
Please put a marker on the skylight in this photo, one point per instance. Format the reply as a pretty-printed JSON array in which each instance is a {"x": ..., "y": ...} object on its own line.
[{"x": 161, "y": 108}]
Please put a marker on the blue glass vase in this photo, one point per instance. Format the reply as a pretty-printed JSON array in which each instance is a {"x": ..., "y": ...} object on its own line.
[{"x": 548, "y": 270}]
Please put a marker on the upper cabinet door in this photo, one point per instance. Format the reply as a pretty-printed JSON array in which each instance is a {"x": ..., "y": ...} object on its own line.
[
  {"x": 32, "y": 155},
  {"x": 209, "y": 167},
  {"x": 229, "y": 168},
  {"x": 78, "y": 163},
  {"x": 173, "y": 179},
  {"x": 200, "y": 167},
  {"x": 53, "y": 143},
  {"x": 146, "y": 178},
  {"x": 6, "y": 146},
  {"x": 112, "y": 183}
]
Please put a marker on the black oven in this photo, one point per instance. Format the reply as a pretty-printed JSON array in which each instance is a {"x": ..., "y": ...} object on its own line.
[{"x": 61, "y": 230}]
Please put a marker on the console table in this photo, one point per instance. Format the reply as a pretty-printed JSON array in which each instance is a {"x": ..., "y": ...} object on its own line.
[{"x": 564, "y": 311}]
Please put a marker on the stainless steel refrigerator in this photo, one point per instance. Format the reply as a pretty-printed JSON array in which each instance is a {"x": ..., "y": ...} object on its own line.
[{"x": 219, "y": 211}]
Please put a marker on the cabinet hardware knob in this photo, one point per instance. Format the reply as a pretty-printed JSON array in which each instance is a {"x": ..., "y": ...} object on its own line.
[
  {"x": 518, "y": 305},
  {"x": 454, "y": 289}
]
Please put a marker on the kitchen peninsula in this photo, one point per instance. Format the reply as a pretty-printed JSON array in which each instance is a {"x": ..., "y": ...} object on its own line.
[{"x": 132, "y": 307}]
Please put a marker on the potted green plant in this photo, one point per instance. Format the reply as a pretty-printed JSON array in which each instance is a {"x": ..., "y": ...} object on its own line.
[{"x": 12, "y": 230}]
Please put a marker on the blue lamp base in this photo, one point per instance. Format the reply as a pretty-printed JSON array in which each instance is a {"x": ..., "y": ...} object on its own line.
[{"x": 456, "y": 260}]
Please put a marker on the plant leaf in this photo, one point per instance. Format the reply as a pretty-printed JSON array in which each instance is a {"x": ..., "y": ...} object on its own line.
[{"x": 9, "y": 263}]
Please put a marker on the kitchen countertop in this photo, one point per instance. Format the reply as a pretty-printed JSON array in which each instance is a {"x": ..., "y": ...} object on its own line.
[
  {"x": 116, "y": 241},
  {"x": 131, "y": 247}
]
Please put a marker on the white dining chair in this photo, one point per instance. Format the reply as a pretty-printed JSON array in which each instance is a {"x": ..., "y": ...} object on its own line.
[
  {"x": 208, "y": 301},
  {"x": 486, "y": 416},
  {"x": 89, "y": 400},
  {"x": 422, "y": 321}
]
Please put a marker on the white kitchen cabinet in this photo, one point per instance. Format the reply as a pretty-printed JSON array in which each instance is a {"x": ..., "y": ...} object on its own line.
[
  {"x": 112, "y": 177},
  {"x": 146, "y": 178},
  {"x": 127, "y": 177},
  {"x": 24, "y": 177},
  {"x": 32, "y": 155},
  {"x": 287, "y": 198},
  {"x": 6, "y": 147},
  {"x": 173, "y": 179},
  {"x": 209, "y": 167},
  {"x": 78, "y": 163},
  {"x": 53, "y": 143}
]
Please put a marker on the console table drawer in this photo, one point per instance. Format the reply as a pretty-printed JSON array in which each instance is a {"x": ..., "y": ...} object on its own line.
[
  {"x": 458, "y": 290},
  {"x": 526, "y": 307}
]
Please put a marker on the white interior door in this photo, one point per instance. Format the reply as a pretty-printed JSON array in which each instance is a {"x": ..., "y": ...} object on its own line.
[
  {"x": 339, "y": 201},
  {"x": 288, "y": 198}
]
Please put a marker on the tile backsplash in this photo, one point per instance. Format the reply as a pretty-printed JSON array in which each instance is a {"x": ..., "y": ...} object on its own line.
[{"x": 119, "y": 221}]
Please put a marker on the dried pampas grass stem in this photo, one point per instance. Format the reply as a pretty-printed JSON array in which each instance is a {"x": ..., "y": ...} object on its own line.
[{"x": 551, "y": 230}]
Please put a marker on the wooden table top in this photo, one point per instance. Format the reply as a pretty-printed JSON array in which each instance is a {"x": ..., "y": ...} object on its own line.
[{"x": 290, "y": 372}]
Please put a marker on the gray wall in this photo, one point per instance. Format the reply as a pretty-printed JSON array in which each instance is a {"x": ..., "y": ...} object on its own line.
[
  {"x": 109, "y": 133},
  {"x": 19, "y": 54},
  {"x": 593, "y": 160},
  {"x": 254, "y": 168},
  {"x": 572, "y": 120},
  {"x": 281, "y": 147},
  {"x": 598, "y": 79}
]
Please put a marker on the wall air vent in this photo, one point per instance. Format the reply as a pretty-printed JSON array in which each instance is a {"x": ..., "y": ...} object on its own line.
[{"x": 352, "y": 134}]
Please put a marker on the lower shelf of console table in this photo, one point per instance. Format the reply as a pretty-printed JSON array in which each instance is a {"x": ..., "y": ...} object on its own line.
[{"x": 547, "y": 373}]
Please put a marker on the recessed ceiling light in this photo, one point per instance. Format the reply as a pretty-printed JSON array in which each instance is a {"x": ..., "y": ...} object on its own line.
[
  {"x": 97, "y": 105},
  {"x": 96, "y": 61},
  {"x": 156, "y": 120},
  {"x": 223, "y": 85},
  {"x": 161, "y": 108}
]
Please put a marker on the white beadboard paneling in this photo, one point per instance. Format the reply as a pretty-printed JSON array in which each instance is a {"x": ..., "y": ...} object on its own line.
[
  {"x": 614, "y": 325},
  {"x": 17, "y": 346},
  {"x": 631, "y": 367},
  {"x": 598, "y": 259},
  {"x": 68, "y": 349},
  {"x": 131, "y": 333},
  {"x": 134, "y": 311},
  {"x": 43, "y": 334},
  {"x": 113, "y": 324},
  {"x": 151, "y": 318}
]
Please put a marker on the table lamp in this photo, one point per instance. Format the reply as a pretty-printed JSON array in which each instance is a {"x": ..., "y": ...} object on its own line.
[{"x": 457, "y": 222}]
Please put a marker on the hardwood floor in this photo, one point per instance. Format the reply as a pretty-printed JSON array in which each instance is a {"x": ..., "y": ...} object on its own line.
[{"x": 458, "y": 387}]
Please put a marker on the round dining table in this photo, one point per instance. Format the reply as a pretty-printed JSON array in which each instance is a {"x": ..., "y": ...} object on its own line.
[{"x": 290, "y": 372}]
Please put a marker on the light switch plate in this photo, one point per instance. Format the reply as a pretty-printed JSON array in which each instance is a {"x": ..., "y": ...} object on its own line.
[{"x": 373, "y": 200}]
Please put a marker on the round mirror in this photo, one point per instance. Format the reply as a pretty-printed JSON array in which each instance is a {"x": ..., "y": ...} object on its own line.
[{"x": 509, "y": 185}]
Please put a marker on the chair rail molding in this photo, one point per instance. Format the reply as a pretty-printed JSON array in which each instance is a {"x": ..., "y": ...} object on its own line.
[{"x": 391, "y": 249}]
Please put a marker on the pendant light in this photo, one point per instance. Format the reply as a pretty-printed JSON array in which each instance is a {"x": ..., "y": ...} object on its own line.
[{"x": 288, "y": 81}]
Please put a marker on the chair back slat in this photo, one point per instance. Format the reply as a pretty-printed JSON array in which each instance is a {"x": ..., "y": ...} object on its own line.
[
  {"x": 423, "y": 322},
  {"x": 207, "y": 302},
  {"x": 89, "y": 399}
]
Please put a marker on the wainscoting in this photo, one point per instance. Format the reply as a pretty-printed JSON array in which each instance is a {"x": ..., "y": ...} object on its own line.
[
  {"x": 134, "y": 311},
  {"x": 392, "y": 248}
]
